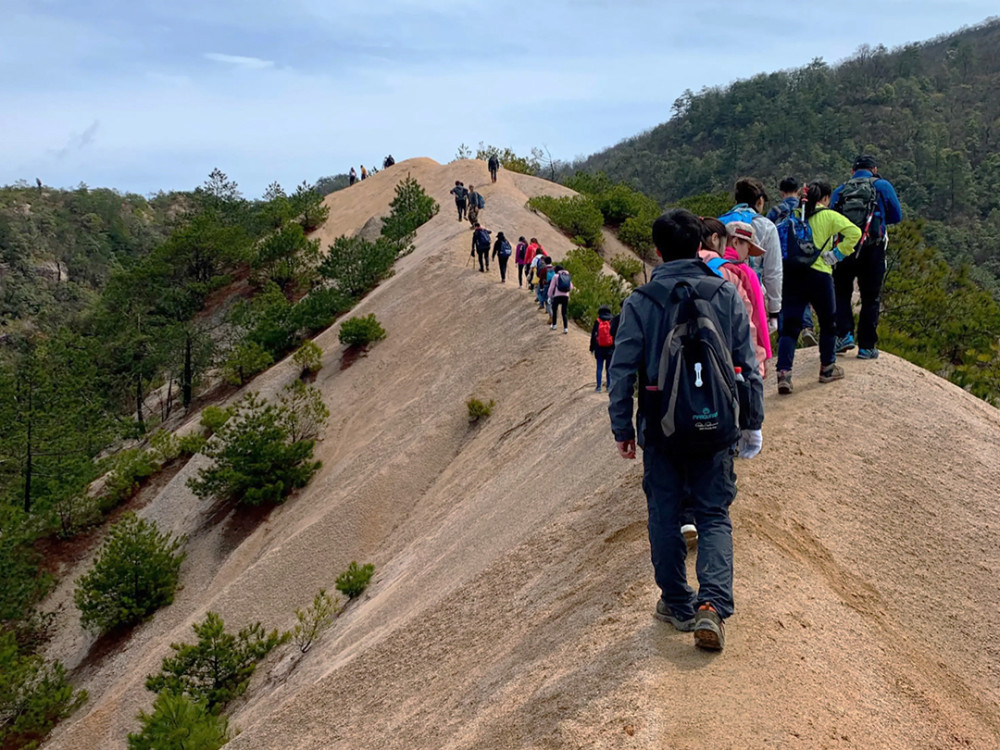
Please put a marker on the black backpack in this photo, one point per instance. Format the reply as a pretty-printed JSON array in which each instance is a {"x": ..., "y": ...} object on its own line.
[
  {"x": 858, "y": 201},
  {"x": 695, "y": 408},
  {"x": 482, "y": 240}
]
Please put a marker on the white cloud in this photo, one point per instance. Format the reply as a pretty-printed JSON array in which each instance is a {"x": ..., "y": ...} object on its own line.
[{"x": 250, "y": 63}]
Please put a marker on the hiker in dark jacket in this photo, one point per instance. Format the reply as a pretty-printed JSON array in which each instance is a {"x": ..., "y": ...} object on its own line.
[
  {"x": 867, "y": 265},
  {"x": 501, "y": 253},
  {"x": 481, "y": 245},
  {"x": 599, "y": 346},
  {"x": 520, "y": 258},
  {"x": 494, "y": 165},
  {"x": 461, "y": 196},
  {"x": 670, "y": 478}
]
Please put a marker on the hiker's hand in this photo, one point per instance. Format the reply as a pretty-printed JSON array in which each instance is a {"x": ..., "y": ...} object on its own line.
[
  {"x": 772, "y": 324},
  {"x": 751, "y": 441},
  {"x": 626, "y": 448}
]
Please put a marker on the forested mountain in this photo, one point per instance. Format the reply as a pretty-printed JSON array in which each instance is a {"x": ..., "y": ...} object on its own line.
[
  {"x": 930, "y": 112},
  {"x": 59, "y": 247}
]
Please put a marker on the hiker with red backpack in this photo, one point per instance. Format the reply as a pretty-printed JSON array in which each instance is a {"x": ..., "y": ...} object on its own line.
[
  {"x": 871, "y": 203},
  {"x": 602, "y": 344},
  {"x": 559, "y": 290},
  {"x": 520, "y": 253},
  {"x": 812, "y": 243},
  {"x": 685, "y": 333}
]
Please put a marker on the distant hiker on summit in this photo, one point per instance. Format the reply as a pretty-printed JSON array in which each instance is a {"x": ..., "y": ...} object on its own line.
[
  {"x": 685, "y": 332},
  {"x": 813, "y": 243},
  {"x": 870, "y": 202},
  {"x": 602, "y": 344},
  {"x": 481, "y": 245},
  {"x": 750, "y": 199},
  {"x": 494, "y": 165},
  {"x": 364, "y": 172},
  {"x": 388, "y": 162},
  {"x": 461, "y": 196},
  {"x": 352, "y": 177},
  {"x": 476, "y": 204},
  {"x": 501, "y": 254}
]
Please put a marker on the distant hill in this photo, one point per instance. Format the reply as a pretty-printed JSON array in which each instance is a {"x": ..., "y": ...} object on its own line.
[{"x": 929, "y": 111}]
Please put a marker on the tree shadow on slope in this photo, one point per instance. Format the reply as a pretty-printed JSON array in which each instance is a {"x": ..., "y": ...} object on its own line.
[{"x": 236, "y": 523}]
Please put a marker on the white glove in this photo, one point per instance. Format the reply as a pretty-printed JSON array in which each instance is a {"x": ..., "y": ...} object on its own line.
[
  {"x": 751, "y": 441},
  {"x": 772, "y": 325},
  {"x": 832, "y": 257}
]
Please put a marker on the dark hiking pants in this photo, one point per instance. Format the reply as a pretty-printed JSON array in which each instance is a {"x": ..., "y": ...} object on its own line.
[
  {"x": 801, "y": 287},
  {"x": 705, "y": 486},
  {"x": 520, "y": 274},
  {"x": 868, "y": 267},
  {"x": 502, "y": 262},
  {"x": 460, "y": 205},
  {"x": 484, "y": 259},
  {"x": 558, "y": 302}
]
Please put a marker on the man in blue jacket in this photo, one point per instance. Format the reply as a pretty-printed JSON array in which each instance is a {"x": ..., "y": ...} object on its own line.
[
  {"x": 701, "y": 481},
  {"x": 870, "y": 202}
]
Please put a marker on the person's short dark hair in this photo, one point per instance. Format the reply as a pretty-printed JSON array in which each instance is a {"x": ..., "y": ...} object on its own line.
[
  {"x": 521, "y": 239},
  {"x": 865, "y": 161},
  {"x": 677, "y": 234},
  {"x": 789, "y": 185},
  {"x": 749, "y": 190},
  {"x": 604, "y": 309}
]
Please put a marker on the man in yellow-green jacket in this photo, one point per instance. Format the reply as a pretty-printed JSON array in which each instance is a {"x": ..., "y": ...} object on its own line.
[{"x": 811, "y": 283}]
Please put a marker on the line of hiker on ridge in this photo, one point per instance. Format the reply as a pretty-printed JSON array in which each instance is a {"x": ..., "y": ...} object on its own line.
[
  {"x": 697, "y": 338},
  {"x": 352, "y": 176}
]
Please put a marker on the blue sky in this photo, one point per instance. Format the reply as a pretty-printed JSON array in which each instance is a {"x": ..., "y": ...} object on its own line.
[{"x": 152, "y": 94}]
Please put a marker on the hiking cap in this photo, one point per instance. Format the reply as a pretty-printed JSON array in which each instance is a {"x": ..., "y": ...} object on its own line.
[
  {"x": 740, "y": 230},
  {"x": 865, "y": 161}
]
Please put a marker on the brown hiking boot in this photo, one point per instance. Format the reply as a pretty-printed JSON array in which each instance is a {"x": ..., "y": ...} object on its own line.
[
  {"x": 784, "y": 382},
  {"x": 709, "y": 632},
  {"x": 830, "y": 373}
]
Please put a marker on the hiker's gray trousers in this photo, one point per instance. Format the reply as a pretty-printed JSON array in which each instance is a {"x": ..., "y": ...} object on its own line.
[{"x": 708, "y": 485}]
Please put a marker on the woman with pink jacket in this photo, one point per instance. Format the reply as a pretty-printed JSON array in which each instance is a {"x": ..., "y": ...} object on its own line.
[{"x": 713, "y": 246}]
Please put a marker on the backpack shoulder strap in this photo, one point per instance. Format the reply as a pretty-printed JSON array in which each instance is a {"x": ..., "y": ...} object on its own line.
[{"x": 716, "y": 265}]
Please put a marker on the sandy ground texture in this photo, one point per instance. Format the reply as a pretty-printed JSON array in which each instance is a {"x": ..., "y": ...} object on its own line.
[{"x": 513, "y": 596}]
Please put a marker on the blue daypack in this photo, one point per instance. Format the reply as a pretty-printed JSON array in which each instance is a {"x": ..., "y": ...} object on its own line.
[
  {"x": 796, "y": 238},
  {"x": 739, "y": 212},
  {"x": 505, "y": 249}
]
